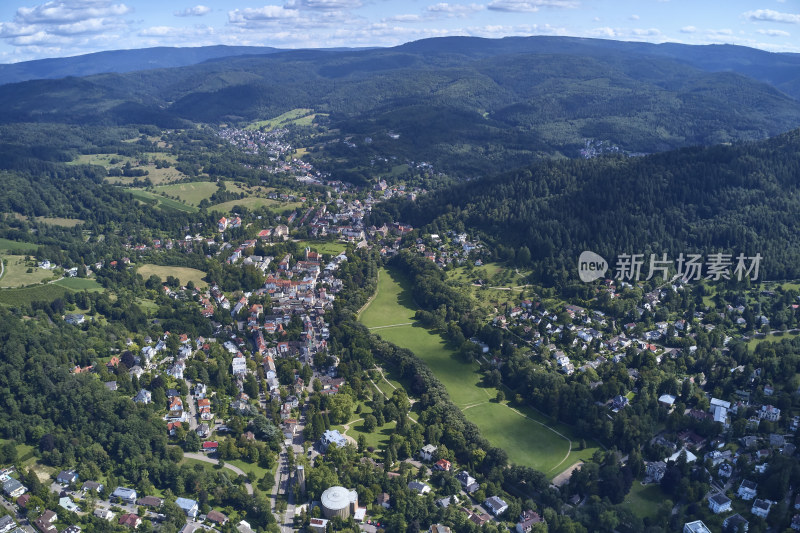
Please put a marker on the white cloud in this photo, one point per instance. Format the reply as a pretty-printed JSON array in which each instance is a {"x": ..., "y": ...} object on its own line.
[
  {"x": 65, "y": 24},
  {"x": 403, "y": 18},
  {"x": 634, "y": 17},
  {"x": 453, "y": 10},
  {"x": 257, "y": 17},
  {"x": 725, "y": 32},
  {"x": 323, "y": 5},
  {"x": 775, "y": 33},
  {"x": 529, "y": 6},
  {"x": 769, "y": 15},
  {"x": 59, "y": 12},
  {"x": 688, "y": 29},
  {"x": 196, "y": 11},
  {"x": 648, "y": 32}
]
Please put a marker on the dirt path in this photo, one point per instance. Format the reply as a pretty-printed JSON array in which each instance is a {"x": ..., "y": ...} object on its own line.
[
  {"x": 563, "y": 477},
  {"x": 369, "y": 300},
  {"x": 391, "y": 326}
]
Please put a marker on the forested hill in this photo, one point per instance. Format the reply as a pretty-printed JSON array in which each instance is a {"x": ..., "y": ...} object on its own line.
[
  {"x": 121, "y": 61},
  {"x": 470, "y": 106},
  {"x": 731, "y": 199}
]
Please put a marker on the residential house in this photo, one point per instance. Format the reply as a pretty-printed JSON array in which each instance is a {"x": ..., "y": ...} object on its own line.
[
  {"x": 130, "y": 520},
  {"x": 439, "y": 528},
  {"x": 105, "y": 514},
  {"x": 124, "y": 494},
  {"x": 217, "y": 517},
  {"x": 445, "y": 502},
  {"x": 495, "y": 505},
  {"x": 695, "y": 527},
  {"x": 13, "y": 488},
  {"x": 443, "y": 465},
  {"x": 7, "y": 524},
  {"x": 768, "y": 412},
  {"x": 332, "y": 436},
  {"x": 45, "y": 522},
  {"x": 92, "y": 485},
  {"x": 526, "y": 521},
  {"x": 190, "y": 507},
  {"x": 383, "y": 500},
  {"x": 419, "y": 488},
  {"x": 65, "y": 502},
  {"x": 320, "y": 525},
  {"x": 747, "y": 490},
  {"x": 761, "y": 507},
  {"x": 153, "y": 502},
  {"x": 427, "y": 452},
  {"x": 468, "y": 483},
  {"x": 143, "y": 396},
  {"x": 655, "y": 471},
  {"x": 719, "y": 503},
  {"x": 736, "y": 524}
]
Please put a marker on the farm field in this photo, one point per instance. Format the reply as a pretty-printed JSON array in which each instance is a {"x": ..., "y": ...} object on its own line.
[
  {"x": 184, "y": 274},
  {"x": 191, "y": 193},
  {"x": 161, "y": 201},
  {"x": 26, "y": 295},
  {"x": 16, "y": 273},
  {"x": 528, "y": 437}
]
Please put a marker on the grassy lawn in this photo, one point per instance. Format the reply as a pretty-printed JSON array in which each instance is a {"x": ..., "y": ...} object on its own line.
[
  {"x": 161, "y": 202},
  {"x": 521, "y": 433},
  {"x": 392, "y": 304},
  {"x": 255, "y": 203},
  {"x": 254, "y": 472},
  {"x": 17, "y": 246},
  {"x": 191, "y": 193},
  {"x": 80, "y": 284},
  {"x": 753, "y": 342},
  {"x": 17, "y": 275},
  {"x": 324, "y": 247},
  {"x": 299, "y": 116},
  {"x": 60, "y": 221},
  {"x": 184, "y": 274},
  {"x": 255, "y": 190},
  {"x": 643, "y": 500}
]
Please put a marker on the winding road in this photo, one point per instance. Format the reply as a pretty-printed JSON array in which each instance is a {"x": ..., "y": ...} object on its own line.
[{"x": 235, "y": 469}]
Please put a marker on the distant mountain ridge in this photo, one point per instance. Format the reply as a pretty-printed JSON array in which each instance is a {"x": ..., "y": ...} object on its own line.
[
  {"x": 121, "y": 61},
  {"x": 471, "y": 106}
]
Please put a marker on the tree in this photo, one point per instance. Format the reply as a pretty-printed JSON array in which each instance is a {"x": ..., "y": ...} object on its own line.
[
  {"x": 370, "y": 422},
  {"x": 500, "y": 397}
]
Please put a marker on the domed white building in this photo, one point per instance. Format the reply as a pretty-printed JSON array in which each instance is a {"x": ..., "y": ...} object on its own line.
[{"x": 338, "y": 501}]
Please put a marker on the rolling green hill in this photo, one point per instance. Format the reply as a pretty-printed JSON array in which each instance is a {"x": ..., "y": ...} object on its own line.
[
  {"x": 470, "y": 106},
  {"x": 731, "y": 199}
]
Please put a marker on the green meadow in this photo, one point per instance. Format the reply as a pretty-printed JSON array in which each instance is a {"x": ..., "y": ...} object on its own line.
[{"x": 529, "y": 438}]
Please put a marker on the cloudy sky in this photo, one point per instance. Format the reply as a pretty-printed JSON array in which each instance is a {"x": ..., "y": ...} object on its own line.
[{"x": 33, "y": 30}]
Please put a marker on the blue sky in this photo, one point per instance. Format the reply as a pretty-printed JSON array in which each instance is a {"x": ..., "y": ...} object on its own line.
[{"x": 36, "y": 29}]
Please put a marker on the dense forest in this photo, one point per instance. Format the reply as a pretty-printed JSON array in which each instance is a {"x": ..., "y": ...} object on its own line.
[
  {"x": 730, "y": 199},
  {"x": 494, "y": 106}
]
